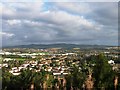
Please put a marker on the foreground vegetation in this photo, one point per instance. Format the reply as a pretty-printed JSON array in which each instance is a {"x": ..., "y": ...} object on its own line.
[{"x": 95, "y": 73}]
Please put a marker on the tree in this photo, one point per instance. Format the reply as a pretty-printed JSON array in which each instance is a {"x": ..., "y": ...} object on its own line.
[
  {"x": 25, "y": 79},
  {"x": 76, "y": 78},
  {"x": 103, "y": 73},
  {"x": 6, "y": 77},
  {"x": 38, "y": 80},
  {"x": 69, "y": 81}
]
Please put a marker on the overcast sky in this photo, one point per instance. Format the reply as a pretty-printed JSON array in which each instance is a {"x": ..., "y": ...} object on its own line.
[{"x": 59, "y": 22}]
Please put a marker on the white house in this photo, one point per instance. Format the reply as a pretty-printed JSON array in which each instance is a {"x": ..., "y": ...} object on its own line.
[{"x": 111, "y": 62}]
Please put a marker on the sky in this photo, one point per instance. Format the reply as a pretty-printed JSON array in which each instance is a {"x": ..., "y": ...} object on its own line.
[{"x": 59, "y": 22}]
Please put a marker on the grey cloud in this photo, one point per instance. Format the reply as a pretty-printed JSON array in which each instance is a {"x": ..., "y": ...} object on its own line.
[{"x": 97, "y": 25}]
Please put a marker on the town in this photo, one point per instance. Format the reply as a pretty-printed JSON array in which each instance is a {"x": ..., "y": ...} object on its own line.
[
  {"x": 59, "y": 45},
  {"x": 58, "y": 68}
]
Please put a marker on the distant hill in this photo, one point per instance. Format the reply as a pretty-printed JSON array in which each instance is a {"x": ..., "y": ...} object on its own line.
[{"x": 61, "y": 45}]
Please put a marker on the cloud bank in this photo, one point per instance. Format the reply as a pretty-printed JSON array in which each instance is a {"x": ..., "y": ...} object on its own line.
[{"x": 59, "y": 22}]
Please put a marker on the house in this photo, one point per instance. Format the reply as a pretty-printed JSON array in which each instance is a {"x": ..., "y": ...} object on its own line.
[
  {"x": 111, "y": 62},
  {"x": 7, "y": 59}
]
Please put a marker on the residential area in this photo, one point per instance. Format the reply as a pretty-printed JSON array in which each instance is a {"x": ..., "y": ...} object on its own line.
[{"x": 59, "y": 66}]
